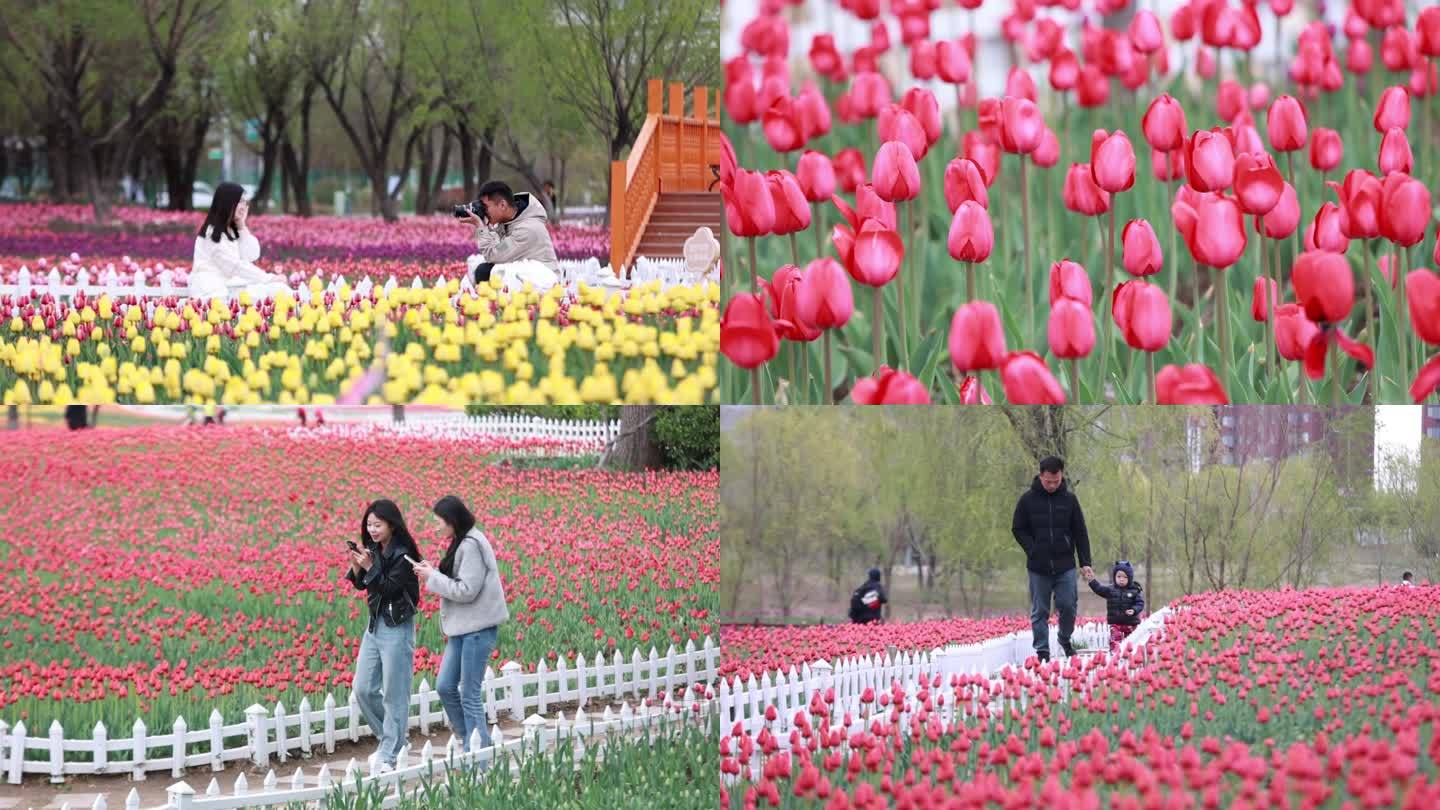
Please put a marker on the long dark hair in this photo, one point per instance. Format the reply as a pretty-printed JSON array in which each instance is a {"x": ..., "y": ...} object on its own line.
[
  {"x": 221, "y": 219},
  {"x": 453, "y": 511},
  {"x": 386, "y": 510}
]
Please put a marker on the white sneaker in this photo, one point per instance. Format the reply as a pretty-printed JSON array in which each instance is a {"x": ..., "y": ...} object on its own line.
[{"x": 385, "y": 767}]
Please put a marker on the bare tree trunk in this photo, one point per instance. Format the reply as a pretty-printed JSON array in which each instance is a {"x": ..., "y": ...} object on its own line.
[{"x": 635, "y": 447}]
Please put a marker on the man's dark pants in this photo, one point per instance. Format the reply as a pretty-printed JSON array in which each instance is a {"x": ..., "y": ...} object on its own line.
[{"x": 1064, "y": 587}]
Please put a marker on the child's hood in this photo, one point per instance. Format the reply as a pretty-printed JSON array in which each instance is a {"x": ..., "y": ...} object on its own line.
[{"x": 1129, "y": 573}]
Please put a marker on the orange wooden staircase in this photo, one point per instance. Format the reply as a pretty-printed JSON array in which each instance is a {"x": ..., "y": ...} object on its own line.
[{"x": 668, "y": 185}]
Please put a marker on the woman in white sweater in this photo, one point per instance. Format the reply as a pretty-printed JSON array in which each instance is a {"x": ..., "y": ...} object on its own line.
[
  {"x": 472, "y": 608},
  {"x": 225, "y": 252}
]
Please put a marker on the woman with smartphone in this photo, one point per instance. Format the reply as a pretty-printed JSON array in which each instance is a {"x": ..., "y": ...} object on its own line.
[
  {"x": 384, "y": 671},
  {"x": 472, "y": 607}
]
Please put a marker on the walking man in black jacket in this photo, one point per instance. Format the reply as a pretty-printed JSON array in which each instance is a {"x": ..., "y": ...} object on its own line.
[{"x": 1050, "y": 527}]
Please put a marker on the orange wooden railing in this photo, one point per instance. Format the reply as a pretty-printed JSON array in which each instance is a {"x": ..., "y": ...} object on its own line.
[{"x": 674, "y": 152}]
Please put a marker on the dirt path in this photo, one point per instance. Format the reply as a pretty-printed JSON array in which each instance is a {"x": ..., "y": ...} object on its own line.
[{"x": 36, "y": 793}]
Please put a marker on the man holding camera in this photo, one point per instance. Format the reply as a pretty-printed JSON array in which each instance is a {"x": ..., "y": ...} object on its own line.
[{"x": 510, "y": 228}]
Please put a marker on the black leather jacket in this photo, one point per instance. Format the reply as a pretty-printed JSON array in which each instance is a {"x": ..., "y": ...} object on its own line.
[{"x": 392, "y": 591}]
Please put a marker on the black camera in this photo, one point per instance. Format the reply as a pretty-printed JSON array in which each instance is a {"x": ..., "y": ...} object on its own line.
[{"x": 477, "y": 208}]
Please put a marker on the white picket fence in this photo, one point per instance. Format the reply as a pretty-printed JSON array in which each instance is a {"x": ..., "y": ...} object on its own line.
[
  {"x": 583, "y": 731},
  {"x": 551, "y": 435},
  {"x": 279, "y": 733},
  {"x": 669, "y": 272},
  {"x": 843, "y": 682}
]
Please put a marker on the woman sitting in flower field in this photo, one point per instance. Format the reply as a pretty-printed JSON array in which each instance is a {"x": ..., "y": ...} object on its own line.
[{"x": 225, "y": 252}]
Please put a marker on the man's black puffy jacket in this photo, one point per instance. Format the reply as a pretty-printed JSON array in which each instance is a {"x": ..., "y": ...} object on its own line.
[{"x": 1050, "y": 527}]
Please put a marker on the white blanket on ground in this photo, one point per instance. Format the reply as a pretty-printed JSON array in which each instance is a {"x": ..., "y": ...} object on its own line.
[
  {"x": 227, "y": 268},
  {"x": 515, "y": 275}
]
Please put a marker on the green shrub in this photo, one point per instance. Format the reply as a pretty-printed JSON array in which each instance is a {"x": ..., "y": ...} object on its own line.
[{"x": 689, "y": 436}]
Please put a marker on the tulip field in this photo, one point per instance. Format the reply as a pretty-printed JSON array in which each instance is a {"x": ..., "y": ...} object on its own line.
[
  {"x": 1233, "y": 204},
  {"x": 356, "y": 342},
  {"x": 157, "y": 572},
  {"x": 1317, "y": 698}
]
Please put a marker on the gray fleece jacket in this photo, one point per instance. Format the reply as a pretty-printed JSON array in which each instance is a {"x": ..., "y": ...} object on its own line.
[
  {"x": 524, "y": 238},
  {"x": 474, "y": 598}
]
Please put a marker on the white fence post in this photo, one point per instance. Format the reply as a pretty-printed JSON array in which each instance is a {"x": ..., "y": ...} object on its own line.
[
  {"x": 137, "y": 773},
  {"x": 259, "y": 737},
  {"x": 57, "y": 752},
  {"x": 514, "y": 692}
]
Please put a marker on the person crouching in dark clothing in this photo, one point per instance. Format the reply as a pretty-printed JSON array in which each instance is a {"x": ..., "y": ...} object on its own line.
[{"x": 868, "y": 600}]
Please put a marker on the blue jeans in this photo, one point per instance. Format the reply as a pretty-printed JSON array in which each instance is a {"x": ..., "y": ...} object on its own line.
[
  {"x": 462, "y": 674},
  {"x": 1067, "y": 597},
  {"x": 386, "y": 667}
]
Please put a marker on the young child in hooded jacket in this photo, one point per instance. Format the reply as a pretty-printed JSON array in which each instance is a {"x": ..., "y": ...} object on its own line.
[{"x": 1124, "y": 602}]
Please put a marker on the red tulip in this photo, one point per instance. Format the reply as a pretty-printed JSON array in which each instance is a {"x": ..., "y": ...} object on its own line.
[
  {"x": 1324, "y": 285},
  {"x": 1093, "y": 88},
  {"x": 1069, "y": 280},
  {"x": 783, "y": 291},
  {"x": 977, "y": 341},
  {"x": 728, "y": 162},
  {"x": 1192, "y": 384},
  {"x": 1326, "y": 149},
  {"x": 1259, "y": 303},
  {"x": 1145, "y": 33},
  {"x": 1081, "y": 194},
  {"x": 792, "y": 210},
  {"x": 1327, "y": 231},
  {"x": 1259, "y": 96},
  {"x": 1427, "y": 31},
  {"x": 896, "y": 123},
  {"x": 1045, "y": 39},
  {"x": 1398, "y": 50},
  {"x": 1395, "y": 153},
  {"x": 1286, "y": 124},
  {"x": 869, "y": 93},
  {"x": 1393, "y": 110},
  {"x": 985, "y": 154},
  {"x": 740, "y": 101},
  {"x": 963, "y": 181},
  {"x": 1142, "y": 311},
  {"x": 1164, "y": 124},
  {"x": 889, "y": 387},
  {"x": 1360, "y": 203},
  {"x": 922, "y": 104},
  {"x": 1215, "y": 233},
  {"x": 816, "y": 175},
  {"x": 1229, "y": 100},
  {"x": 953, "y": 62},
  {"x": 825, "y": 299},
  {"x": 971, "y": 237},
  {"x": 749, "y": 206},
  {"x": 1168, "y": 166},
  {"x": 1020, "y": 84},
  {"x": 896, "y": 177},
  {"x": 1284, "y": 218},
  {"x": 1047, "y": 154},
  {"x": 870, "y": 205},
  {"x": 747, "y": 335},
  {"x": 1293, "y": 331},
  {"x": 1112, "y": 163},
  {"x": 850, "y": 169},
  {"x": 924, "y": 60},
  {"x": 1210, "y": 161},
  {"x": 1183, "y": 23},
  {"x": 878, "y": 253},
  {"x": 1141, "y": 249},
  {"x": 1023, "y": 127},
  {"x": 1071, "y": 329},
  {"x": 1205, "y": 63},
  {"x": 825, "y": 57},
  {"x": 1422, "y": 291},
  {"x": 973, "y": 393},
  {"x": 1064, "y": 71},
  {"x": 1258, "y": 184},
  {"x": 1028, "y": 381},
  {"x": 1404, "y": 209},
  {"x": 1426, "y": 381},
  {"x": 814, "y": 112},
  {"x": 1359, "y": 58}
]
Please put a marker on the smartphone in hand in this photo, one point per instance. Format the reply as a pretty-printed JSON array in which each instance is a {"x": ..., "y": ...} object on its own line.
[
  {"x": 353, "y": 547},
  {"x": 411, "y": 561}
]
